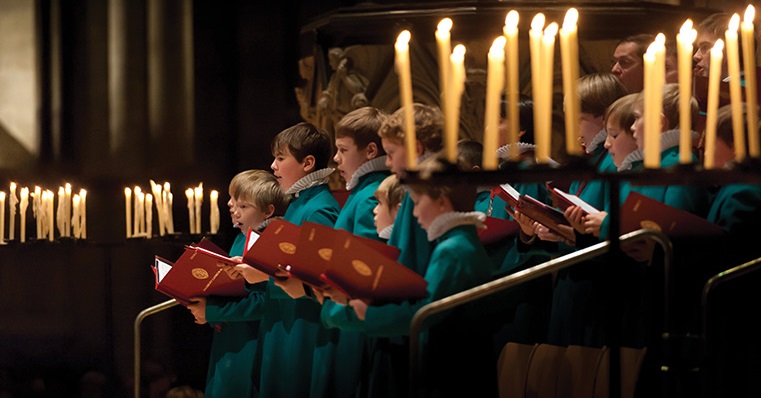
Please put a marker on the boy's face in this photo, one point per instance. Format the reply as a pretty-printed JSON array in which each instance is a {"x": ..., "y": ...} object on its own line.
[
  {"x": 396, "y": 156},
  {"x": 638, "y": 127},
  {"x": 247, "y": 215},
  {"x": 383, "y": 215},
  {"x": 287, "y": 169},
  {"x": 231, "y": 207},
  {"x": 589, "y": 126},
  {"x": 348, "y": 157},
  {"x": 618, "y": 142},
  {"x": 427, "y": 209}
]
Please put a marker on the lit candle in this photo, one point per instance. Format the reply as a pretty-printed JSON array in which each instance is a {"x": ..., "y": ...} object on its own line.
[
  {"x": 2, "y": 217},
  {"x": 42, "y": 215},
  {"x": 158, "y": 197},
  {"x": 128, "y": 210},
  {"x": 535, "y": 46},
  {"x": 191, "y": 210},
  {"x": 36, "y": 207},
  {"x": 456, "y": 87},
  {"x": 214, "y": 211},
  {"x": 149, "y": 216},
  {"x": 67, "y": 210},
  {"x": 569, "y": 51},
  {"x": 198, "y": 202},
  {"x": 22, "y": 213},
  {"x": 714, "y": 78},
  {"x": 494, "y": 84},
  {"x": 402, "y": 61},
  {"x": 59, "y": 211},
  {"x": 83, "y": 214},
  {"x": 12, "y": 202},
  {"x": 654, "y": 74},
  {"x": 735, "y": 90},
  {"x": 168, "y": 211},
  {"x": 511, "y": 93},
  {"x": 546, "y": 85},
  {"x": 443, "y": 45},
  {"x": 685, "y": 38},
  {"x": 49, "y": 210},
  {"x": 75, "y": 216},
  {"x": 749, "y": 66},
  {"x": 140, "y": 213}
]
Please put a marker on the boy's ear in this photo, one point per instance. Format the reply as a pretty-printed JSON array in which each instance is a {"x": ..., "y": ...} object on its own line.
[
  {"x": 664, "y": 123},
  {"x": 308, "y": 163},
  {"x": 419, "y": 148},
  {"x": 372, "y": 150},
  {"x": 269, "y": 211}
]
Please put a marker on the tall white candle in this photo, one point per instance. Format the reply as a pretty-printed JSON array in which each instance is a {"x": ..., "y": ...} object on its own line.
[
  {"x": 36, "y": 207},
  {"x": 22, "y": 213},
  {"x": 535, "y": 47},
  {"x": 511, "y": 92},
  {"x": 494, "y": 84},
  {"x": 67, "y": 210},
  {"x": 75, "y": 201},
  {"x": 198, "y": 202},
  {"x": 2, "y": 217},
  {"x": 456, "y": 87},
  {"x": 544, "y": 143},
  {"x": 749, "y": 66},
  {"x": 12, "y": 202},
  {"x": 149, "y": 216},
  {"x": 569, "y": 52},
  {"x": 59, "y": 211},
  {"x": 685, "y": 38},
  {"x": 214, "y": 212},
  {"x": 158, "y": 200},
  {"x": 168, "y": 211},
  {"x": 83, "y": 214},
  {"x": 128, "y": 211},
  {"x": 714, "y": 78},
  {"x": 735, "y": 90},
  {"x": 138, "y": 213},
  {"x": 443, "y": 45},
  {"x": 191, "y": 209},
  {"x": 49, "y": 210},
  {"x": 402, "y": 62}
]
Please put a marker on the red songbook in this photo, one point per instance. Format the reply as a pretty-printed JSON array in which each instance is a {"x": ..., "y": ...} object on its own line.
[
  {"x": 640, "y": 211},
  {"x": 197, "y": 273},
  {"x": 565, "y": 200},
  {"x": 362, "y": 270},
  {"x": 507, "y": 193},
  {"x": 313, "y": 254},
  {"x": 497, "y": 230},
  {"x": 275, "y": 249},
  {"x": 548, "y": 216}
]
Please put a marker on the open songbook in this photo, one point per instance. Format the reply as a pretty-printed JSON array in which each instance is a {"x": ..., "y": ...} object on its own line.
[
  {"x": 565, "y": 200},
  {"x": 640, "y": 211},
  {"x": 544, "y": 214},
  {"x": 198, "y": 272}
]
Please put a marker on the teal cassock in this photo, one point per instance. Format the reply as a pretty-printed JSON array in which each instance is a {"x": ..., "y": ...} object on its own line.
[
  {"x": 341, "y": 377},
  {"x": 410, "y": 238},
  {"x": 290, "y": 330},
  {"x": 457, "y": 353},
  {"x": 234, "y": 343}
]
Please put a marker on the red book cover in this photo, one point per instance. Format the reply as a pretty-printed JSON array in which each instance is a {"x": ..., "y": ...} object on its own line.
[
  {"x": 565, "y": 200},
  {"x": 640, "y": 211},
  {"x": 195, "y": 274},
  {"x": 507, "y": 193},
  {"x": 548, "y": 216},
  {"x": 497, "y": 230},
  {"x": 313, "y": 253},
  {"x": 275, "y": 249},
  {"x": 362, "y": 272}
]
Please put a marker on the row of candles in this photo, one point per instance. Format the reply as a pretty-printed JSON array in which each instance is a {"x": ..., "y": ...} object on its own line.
[
  {"x": 139, "y": 205},
  {"x": 502, "y": 77},
  {"x": 69, "y": 217}
]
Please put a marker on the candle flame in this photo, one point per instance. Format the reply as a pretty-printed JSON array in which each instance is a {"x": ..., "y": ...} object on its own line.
[
  {"x": 137, "y": 190},
  {"x": 403, "y": 40},
  {"x": 127, "y": 191},
  {"x": 166, "y": 186},
  {"x": 686, "y": 27},
  {"x": 13, "y": 185},
  {"x": 550, "y": 31},
  {"x": 660, "y": 39},
  {"x": 83, "y": 193},
  {"x": 444, "y": 26},
  {"x": 538, "y": 22},
  {"x": 498, "y": 46},
  {"x": 68, "y": 187},
  {"x": 571, "y": 17},
  {"x": 734, "y": 23},
  {"x": 750, "y": 13},
  {"x": 458, "y": 54},
  {"x": 511, "y": 20},
  {"x": 214, "y": 195},
  {"x": 717, "y": 49},
  {"x": 2, "y": 195}
]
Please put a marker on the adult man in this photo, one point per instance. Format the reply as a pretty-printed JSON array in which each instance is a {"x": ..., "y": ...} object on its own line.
[{"x": 627, "y": 61}]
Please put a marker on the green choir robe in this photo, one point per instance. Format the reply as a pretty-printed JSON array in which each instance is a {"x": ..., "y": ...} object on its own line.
[
  {"x": 410, "y": 238},
  {"x": 290, "y": 330}
]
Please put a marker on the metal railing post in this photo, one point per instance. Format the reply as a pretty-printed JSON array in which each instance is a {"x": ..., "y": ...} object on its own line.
[{"x": 138, "y": 320}]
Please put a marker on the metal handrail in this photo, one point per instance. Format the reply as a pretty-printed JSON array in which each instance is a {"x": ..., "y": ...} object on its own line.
[
  {"x": 138, "y": 320},
  {"x": 526, "y": 275}
]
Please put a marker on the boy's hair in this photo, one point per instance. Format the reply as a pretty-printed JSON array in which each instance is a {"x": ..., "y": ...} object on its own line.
[
  {"x": 470, "y": 153},
  {"x": 429, "y": 123},
  {"x": 362, "y": 126},
  {"x": 461, "y": 195},
  {"x": 622, "y": 110},
  {"x": 670, "y": 106},
  {"x": 597, "y": 91},
  {"x": 525, "y": 116},
  {"x": 391, "y": 190},
  {"x": 715, "y": 24},
  {"x": 642, "y": 41},
  {"x": 261, "y": 189},
  {"x": 302, "y": 140},
  {"x": 724, "y": 129}
]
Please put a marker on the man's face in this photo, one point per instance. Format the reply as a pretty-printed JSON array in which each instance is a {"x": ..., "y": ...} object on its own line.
[
  {"x": 627, "y": 66},
  {"x": 703, "y": 44}
]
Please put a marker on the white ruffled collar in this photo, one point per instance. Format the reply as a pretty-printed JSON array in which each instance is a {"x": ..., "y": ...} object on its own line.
[
  {"x": 310, "y": 180},
  {"x": 597, "y": 140},
  {"x": 447, "y": 221},
  {"x": 385, "y": 233},
  {"x": 669, "y": 139},
  {"x": 503, "y": 152},
  {"x": 371, "y": 165},
  {"x": 634, "y": 156}
]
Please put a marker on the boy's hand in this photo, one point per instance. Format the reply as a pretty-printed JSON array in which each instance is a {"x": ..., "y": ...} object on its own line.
[
  {"x": 335, "y": 295},
  {"x": 251, "y": 274},
  {"x": 575, "y": 217},
  {"x": 197, "y": 307},
  {"x": 593, "y": 222},
  {"x": 360, "y": 308},
  {"x": 291, "y": 286}
]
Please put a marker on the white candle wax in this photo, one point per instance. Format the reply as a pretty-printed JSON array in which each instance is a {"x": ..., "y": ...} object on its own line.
[
  {"x": 149, "y": 216},
  {"x": 83, "y": 214},
  {"x": 191, "y": 210},
  {"x": 2, "y": 217},
  {"x": 128, "y": 211},
  {"x": 12, "y": 202},
  {"x": 22, "y": 213}
]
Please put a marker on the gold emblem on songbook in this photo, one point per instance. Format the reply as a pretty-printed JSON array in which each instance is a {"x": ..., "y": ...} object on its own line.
[
  {"x": 326, "y": 253},
  {"x": 199, "y": 273},
  {"x": 287, "y": 247},
  {"x": 650, "y": 224},
  {"x": 361, "y": 268}
]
